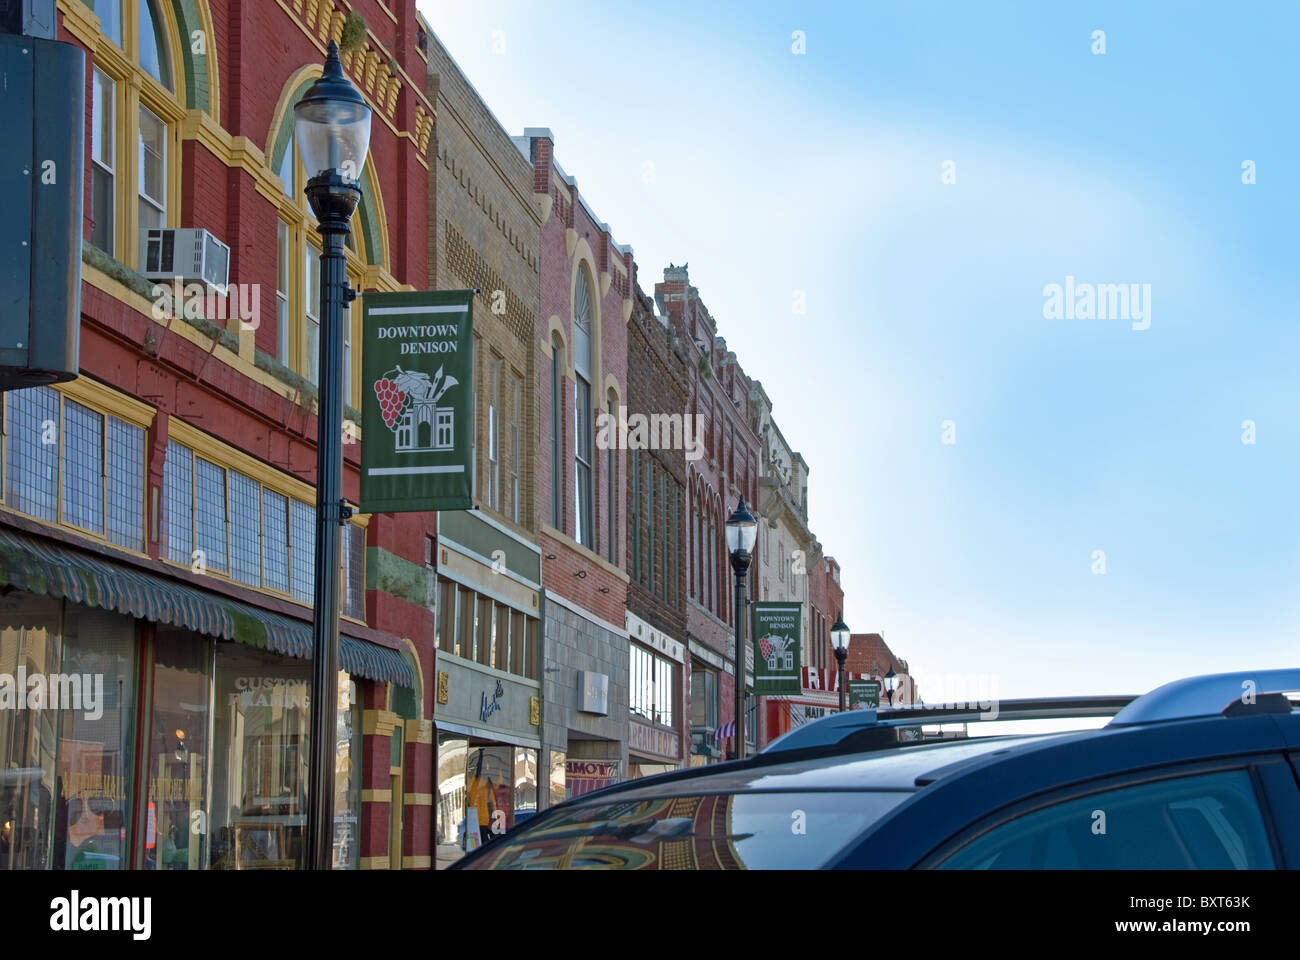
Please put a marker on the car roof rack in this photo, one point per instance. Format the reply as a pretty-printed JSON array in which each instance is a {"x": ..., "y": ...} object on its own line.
[
  {"x": 1209, "y": 696},
  {"x": 831, "y": 730}
]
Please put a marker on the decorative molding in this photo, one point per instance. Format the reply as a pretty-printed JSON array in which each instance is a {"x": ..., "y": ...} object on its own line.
[
  {"x": 417, "y": 799},
  {"x": 420, "y": 862},
  {"x": 605, "y": 279},
  {"x": 379, "y": 723},
  {"x": 570, "y": 241},
  {"x": 544, "y": 203},
  {"x": 82, "y": 22},
  {"x": 443, "y": 681}
]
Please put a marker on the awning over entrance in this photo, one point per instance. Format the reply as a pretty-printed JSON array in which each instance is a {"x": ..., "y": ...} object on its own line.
[{"x": 52, "y": 570}]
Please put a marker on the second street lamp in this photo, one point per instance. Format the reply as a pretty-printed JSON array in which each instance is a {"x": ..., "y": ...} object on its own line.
[
  {"x": 840, "y": 642},
  {"x": 742, "y": 531},
  {"x": 889, "y": 683},
  {"x": 332, "y": 130}
]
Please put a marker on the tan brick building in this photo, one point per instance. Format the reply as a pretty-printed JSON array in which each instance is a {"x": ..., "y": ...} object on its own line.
[{"x": 483, "y": 234}]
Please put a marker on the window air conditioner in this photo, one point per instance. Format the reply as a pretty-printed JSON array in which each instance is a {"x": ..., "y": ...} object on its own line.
[{"x": 189, "y": 253}]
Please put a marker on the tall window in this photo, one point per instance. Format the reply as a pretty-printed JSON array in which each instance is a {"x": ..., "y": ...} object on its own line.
[
  {"x": 311, "y": 306},
  {"x": 130, "y": 188},
  {"x": 650, "y": 519},
  {"x": 557, "y": 435},
  {"x": 282, "y": 272},
  {"x": 611, "y": 491},
  {"x": 516, "y": 401},
  {"x": 634, "y": 516},
  {"x": 582, "y": 412},
  {"x": 494, "y": 433},
  {"x": 103, "y": 152}
]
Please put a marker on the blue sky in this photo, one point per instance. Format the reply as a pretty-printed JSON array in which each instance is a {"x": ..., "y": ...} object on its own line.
[{"x": 775, "y": 173}]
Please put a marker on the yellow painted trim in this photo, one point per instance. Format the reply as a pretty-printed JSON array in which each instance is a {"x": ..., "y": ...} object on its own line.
[
  {"x": 379, "y": 723},
  {"x": 210, "y": 56},
  {"x": 418, "y": 799},
  {"x": 627, "y": 310},
  {"x": 224, "y": 455},
  {"x": 375, "y": 863},
  {"x": 544, "y": 202},
  {"x": 82, "y": 22},
  {"x": 586, "y": 552},
  {"x": 419, "y": 731},
  {"x": 422, "y": 862},
  {"x": 376, "y": 796},
  {"x": 92, "y": 393},
  {"x": 419, "y": 672}
]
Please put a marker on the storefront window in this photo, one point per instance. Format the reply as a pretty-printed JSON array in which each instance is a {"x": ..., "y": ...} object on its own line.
[
  {"x": 484, "y": 788},
  {"x": 174, "y": 833},
  {"x": 259, "y": 790},
  {"x": 96, "y": 756},
  {"x": 347, "y": 778},
  {"x": 450, "y": 827},
  {"x": 525, "y": 801},
  {"x": 559, "y": 781},
  {"x": 30, "y": 634}
]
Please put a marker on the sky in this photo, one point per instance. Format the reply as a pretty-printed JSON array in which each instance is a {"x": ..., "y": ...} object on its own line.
[{"x": 970, "y": 453}]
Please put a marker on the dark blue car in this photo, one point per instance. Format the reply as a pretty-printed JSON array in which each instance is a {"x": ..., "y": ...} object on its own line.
[{"x": 1198, "y": 774}]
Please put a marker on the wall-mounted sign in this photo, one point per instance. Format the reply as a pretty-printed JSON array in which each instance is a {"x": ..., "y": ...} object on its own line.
[
  {"x": 416, "y": 422},
  {"x": 648, "y": 738},
  {"x": 488, "y": 707},
  {"x": 864, "y": 694},
  {"x": 583, "y": 776},
  {"x": 776, "y": 648},
  {"x": 593, "y": 692}
]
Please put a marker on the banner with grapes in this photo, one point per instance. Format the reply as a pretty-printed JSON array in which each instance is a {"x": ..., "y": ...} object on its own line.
[
  {"x": 777, "y": 628},
  {"x": 416, "y": 414}
]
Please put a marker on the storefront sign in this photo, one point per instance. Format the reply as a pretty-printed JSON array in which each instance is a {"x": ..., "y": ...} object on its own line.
[
  {"x": 416, "y": 422},
  {"x": 593, "y": 692},
  {"x": 489, "y": 707},
  {"x": 864, "y": 694},
  {"x": 776, "y": 648},
  {"x": 647, "y": 738},
  {"x": 584, "y": 776}
]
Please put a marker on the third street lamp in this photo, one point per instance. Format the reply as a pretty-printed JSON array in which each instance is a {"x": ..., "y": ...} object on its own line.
[
  {"x": 332, "y": 130},
  {"x": 840, "y": 641},
  {"x": 742, "y": 531}
]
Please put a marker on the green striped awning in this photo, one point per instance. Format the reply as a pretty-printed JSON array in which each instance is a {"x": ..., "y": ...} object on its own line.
[{"x": 52, "y": 570}]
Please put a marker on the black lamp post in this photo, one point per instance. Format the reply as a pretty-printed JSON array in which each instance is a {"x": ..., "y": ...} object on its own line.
[
  {"x": 332, "y": 130},
  {"x": 742, "y": 531},
  {"x": 889, "y": 683},
  {"x": 840, "y": 642}
]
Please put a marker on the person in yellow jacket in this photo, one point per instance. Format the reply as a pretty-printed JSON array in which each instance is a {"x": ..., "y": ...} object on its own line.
[{"x": 479, "y": 799}]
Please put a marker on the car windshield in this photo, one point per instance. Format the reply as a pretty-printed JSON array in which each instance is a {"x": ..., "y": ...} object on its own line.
[{"x": 726, "y": 831}]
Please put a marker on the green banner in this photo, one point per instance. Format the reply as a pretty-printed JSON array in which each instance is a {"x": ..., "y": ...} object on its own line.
[
  {"x": 864, "y": 694},
  {"x": 416, "y": 410},
  {"x": 776, "y": 648}
]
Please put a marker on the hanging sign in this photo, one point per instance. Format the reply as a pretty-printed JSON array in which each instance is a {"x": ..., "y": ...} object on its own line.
[
  {"x": 416, "y": 411},
  {"x": 776, "y": 648}
]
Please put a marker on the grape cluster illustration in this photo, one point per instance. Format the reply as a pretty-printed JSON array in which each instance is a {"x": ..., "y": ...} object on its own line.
[{"x": 392, "y": 399}]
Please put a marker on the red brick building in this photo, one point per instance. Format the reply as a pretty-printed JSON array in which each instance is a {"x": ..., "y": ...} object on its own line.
[
  {"x": 725, "y": 469},
  {"x": 870, "y": 656},
  {"x": 586, "y": 303},
  {"x": 173, "y": 553}
]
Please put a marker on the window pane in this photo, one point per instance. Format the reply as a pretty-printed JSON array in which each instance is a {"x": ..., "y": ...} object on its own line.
[
  {"x": 125, "y": 469},
  {"x": 153, "y": 148},
  {"x": 1210, "y": 821},
  {"x": 245, "y": 523},
  {"x": 103, "y": 163},
  {"x": 210, "y": 514},
  {"x": 282, "y": 291},
  {"x": 110, "y": 19},
  {"x": 178, "y": 504},
  {"x": 32, "y": 452},
  {"x": 302, "y": 549},
  {"x": 83, "y": 467},
  {"x": 286, "y": 168},
  {"x": 275, "y": 541},
  {"x": 355, "y": 596},
  {"x": 154, "y": 57},
  {"x": 311, "y": 330}
]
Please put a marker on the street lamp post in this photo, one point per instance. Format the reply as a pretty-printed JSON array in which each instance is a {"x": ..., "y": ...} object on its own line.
[
  {"x": 889, "y": 683},
  {"x": 742, "y": 531},
  {"x": 840, "y": 642},
  {"x": 332, "y": 130}
]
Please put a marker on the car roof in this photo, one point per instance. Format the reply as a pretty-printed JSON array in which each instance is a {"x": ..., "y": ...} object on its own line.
[{"x": 897, "y": 769}]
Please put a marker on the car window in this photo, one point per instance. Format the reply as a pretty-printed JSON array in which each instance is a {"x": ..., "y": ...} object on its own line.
[
  {"x": 1208, "y": 821},
  {"x": 728, "y": 831}
]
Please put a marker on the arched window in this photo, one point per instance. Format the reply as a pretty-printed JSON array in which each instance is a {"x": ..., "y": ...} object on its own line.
[
  {"x": 583, "y": 365},
  {"x": 136, "y": 111}
]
